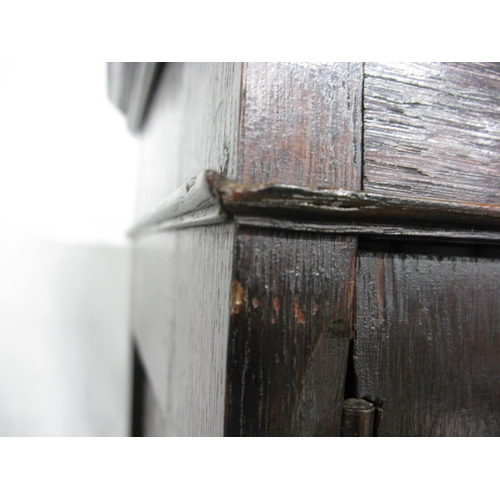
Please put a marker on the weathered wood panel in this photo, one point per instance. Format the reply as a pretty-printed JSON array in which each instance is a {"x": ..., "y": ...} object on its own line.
[
  {"x": 432, "y": 130},
  {"x": 290, "y": 325},
  {"x": 301, "y": 124},
  {"x": 181, "y": 290},
  {"x": 192, "y": 125},
  {"x": 427, "y": 345}
]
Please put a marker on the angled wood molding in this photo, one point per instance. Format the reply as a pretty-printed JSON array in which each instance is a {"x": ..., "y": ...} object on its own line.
[{"x": 211, "y": 198}]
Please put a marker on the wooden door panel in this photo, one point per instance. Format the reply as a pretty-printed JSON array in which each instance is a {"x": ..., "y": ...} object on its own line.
[{"x": 427, "y": 347}]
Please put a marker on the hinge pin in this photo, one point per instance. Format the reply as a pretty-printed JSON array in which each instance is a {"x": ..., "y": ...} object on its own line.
[{"x": 358, "y": 418}]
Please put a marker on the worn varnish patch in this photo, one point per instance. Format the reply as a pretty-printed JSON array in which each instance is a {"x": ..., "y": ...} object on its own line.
[
  {"x": 299, "y": 315},
  {"x": 237, "y": 297}
]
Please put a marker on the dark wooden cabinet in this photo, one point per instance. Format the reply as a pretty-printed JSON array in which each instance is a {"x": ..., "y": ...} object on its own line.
[{"x": 309, "y": 233}]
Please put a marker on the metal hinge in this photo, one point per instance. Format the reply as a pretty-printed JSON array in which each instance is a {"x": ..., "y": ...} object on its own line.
[{"x": 358, "y": 418}]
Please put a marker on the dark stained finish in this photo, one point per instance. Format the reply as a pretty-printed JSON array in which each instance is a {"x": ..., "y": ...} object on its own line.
[
  {"x": 292, "y": 305},
  {"x": 427, "y": 345},
  {"x": 432, "y": 130},
  {"x": 301, "y": 124}
]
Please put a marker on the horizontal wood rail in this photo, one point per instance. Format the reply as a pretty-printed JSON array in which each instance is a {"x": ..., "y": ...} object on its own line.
[{"x": 211, "y": 198}]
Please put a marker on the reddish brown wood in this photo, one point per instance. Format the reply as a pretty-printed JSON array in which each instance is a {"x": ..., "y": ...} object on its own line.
[
  {"x": 432, "y": 130},
  {"x": 301, "y": 124}
]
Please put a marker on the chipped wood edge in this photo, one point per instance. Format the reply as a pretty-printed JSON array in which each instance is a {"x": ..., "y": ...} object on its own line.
[{"x": 211, "y": 198}]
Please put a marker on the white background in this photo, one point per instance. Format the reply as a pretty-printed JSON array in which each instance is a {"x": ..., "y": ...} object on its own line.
[{"x": 67, "y": 191}]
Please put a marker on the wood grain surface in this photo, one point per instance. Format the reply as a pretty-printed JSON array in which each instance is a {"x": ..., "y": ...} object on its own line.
[
  {"x": 432, "y": 130},
  {"x": 181, "y": 290},
  {"x": 292, "y": 306},
  {"x": 428, "y": 342},
  {"x": 192, "y": 125},
  {"x": 301, "y": 124}
]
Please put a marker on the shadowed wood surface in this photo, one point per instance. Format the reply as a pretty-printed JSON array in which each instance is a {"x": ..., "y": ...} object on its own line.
[
  {"x": 291, "y": 317},
  {"x": 192, "y": 125},
  {"x": 182, "y": 279},
  {"x": 181, "y": 321},
  {"x": 301, "y": 124},
  {"x": 432, "y": 130},
  {"x": 427, "y": 345}
]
